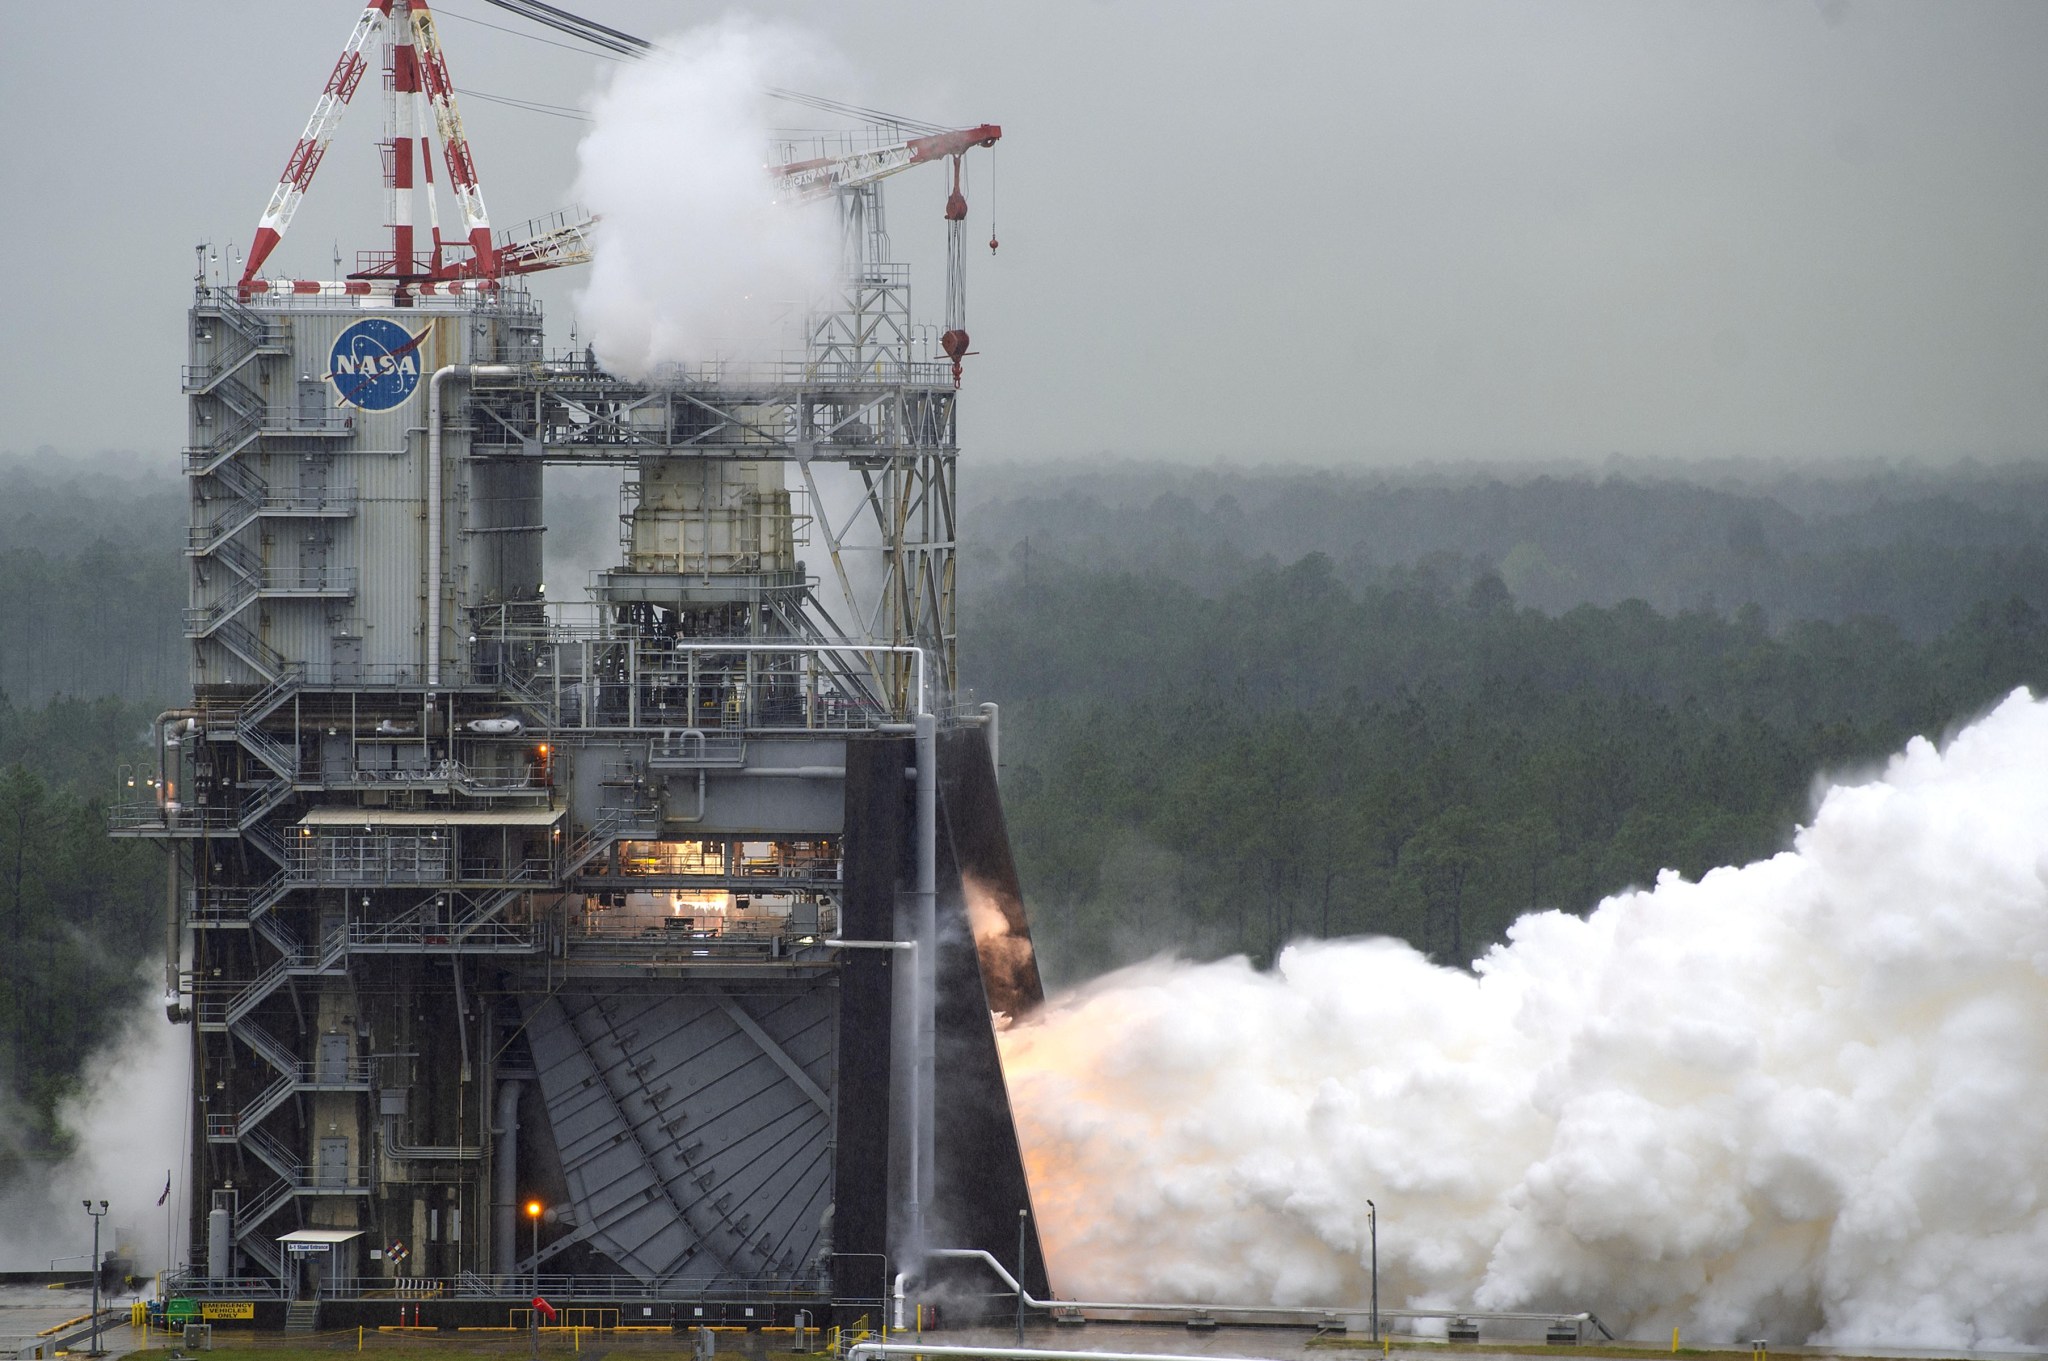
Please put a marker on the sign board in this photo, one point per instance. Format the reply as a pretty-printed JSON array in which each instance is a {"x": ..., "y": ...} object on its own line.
[
  {"x": 375, "y": 364},
  {"x": 228, "y": 1309}
]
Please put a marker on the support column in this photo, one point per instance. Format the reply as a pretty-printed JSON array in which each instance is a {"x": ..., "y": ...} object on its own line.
[
  {"x": 876, "y": 872},
  {"x": 505, "y": 1182}
]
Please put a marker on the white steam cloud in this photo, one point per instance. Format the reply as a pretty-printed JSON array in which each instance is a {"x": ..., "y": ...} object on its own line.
[
  {"x": 694, "y": 260},
  {"x": 132, "y": 1121},
  {"x": 1805, "y": 1098}
]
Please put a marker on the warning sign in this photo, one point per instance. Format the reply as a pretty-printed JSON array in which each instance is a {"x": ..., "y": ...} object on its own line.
[{"x": 228, "y": 1309}]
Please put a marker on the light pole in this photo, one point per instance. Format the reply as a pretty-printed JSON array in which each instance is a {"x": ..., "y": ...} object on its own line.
[
  {"x": 96, "y": 1214},
  {"x": 533, "y": 1208},
  {"x": 1023, "y": 1225},
  {"x": 1372, "y": 1219}
]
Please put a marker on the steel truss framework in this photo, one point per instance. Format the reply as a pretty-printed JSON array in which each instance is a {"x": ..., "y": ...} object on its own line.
[
  {"x": 296, "y": 917},
  {"x": 279, "y": 911},
  {"x": 895, "y": 434}
]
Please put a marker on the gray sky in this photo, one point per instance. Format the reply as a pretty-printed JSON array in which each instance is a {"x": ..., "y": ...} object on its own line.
[{"x": 1355, "y": 232}]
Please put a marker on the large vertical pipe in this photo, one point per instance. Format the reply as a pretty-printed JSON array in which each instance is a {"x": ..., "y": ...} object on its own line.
[
  {"x": 926, "y": 960},
  {"x": 172, "y": 943},
  {"x": 434, "y": 517},
  {"x": 436, "y": 576},
  {"x": 991, "y": 722},
  {"x": 505, "y": 1190},
  {"x": 165, "y": 790}
]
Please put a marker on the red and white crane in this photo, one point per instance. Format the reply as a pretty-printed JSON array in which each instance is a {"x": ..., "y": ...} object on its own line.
[{"x": 418, "y": 70}]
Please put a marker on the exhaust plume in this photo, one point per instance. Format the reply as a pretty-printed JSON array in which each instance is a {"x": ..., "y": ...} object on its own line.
[
  {"x": 693, "y": 259},
  {"x": 1805, "y": 1098}
]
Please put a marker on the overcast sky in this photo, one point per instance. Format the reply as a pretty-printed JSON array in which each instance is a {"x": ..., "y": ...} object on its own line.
[{"x": 1334, "y": 232}]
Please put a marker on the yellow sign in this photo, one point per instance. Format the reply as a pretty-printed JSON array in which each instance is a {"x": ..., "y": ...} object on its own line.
[{"x": 228, "y": 1309}]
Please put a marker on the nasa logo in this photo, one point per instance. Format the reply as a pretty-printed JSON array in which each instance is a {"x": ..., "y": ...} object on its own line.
[{"x": 375, "y": 364}]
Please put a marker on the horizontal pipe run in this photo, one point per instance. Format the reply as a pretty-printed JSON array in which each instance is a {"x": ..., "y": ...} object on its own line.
[
  {"x": 1265, "y": 1310},
  {"x": 396, "y": 1148},
  {"x": 860, "y": 1351}
]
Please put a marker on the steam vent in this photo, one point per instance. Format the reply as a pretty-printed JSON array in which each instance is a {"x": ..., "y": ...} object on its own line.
[{"x": 608, "y": 940}]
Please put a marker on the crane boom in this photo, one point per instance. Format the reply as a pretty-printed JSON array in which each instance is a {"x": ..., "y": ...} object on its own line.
[
  {"x": 440, "y": 92},
  {"x": 806, "y": 181},
  {"x": 419, "y": 67},
  {"x": 312, "y": 143}
]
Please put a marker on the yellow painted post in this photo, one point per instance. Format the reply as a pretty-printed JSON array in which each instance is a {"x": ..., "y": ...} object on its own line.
[
  {"x": 359, "y": 1337},
  {"x": 1386, "y": 1344},
  {"x": 1674, "y": 1339}
]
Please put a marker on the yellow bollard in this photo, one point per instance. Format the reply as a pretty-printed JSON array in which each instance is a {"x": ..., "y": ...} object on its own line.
[
  {"x": 1386, "y": 1344},
  {"x": 359, "y": 1337},
  {"x": 1674, "y": 1339}
]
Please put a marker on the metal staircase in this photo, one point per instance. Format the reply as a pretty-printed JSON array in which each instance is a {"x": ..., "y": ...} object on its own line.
[
  {"x": 248, "y": 335},
  {"x": 265, "y": 660},
  {"x": 243, "y": 497}
]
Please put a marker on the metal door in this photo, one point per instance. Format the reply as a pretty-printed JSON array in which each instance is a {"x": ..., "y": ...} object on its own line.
[
  {"x": 347, "y": 659},
  {"x": 333, "y": 1066},
  {"x": 332, "y": 1168}
]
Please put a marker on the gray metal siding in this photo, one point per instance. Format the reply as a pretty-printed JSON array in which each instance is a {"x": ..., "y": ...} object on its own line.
[{"x": 694, "y": 1151}]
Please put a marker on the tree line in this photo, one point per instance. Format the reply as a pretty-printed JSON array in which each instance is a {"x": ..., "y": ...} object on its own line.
[
  {"x": 1239, "y": 706},
  {"x": 1289, "y": 756}
]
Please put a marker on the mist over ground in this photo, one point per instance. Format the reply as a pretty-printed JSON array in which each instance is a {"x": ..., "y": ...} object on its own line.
[
  {"x": 127, "y": 1128},
  {"x": 1916, "y": 543}
]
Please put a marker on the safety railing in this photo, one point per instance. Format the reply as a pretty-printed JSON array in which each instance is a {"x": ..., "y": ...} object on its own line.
[
  {"x": 271, "y": 697},
  {"x": 267, "y": 1046},
  {"x": 273, "y": 1152},
  {"x": 690, "y": 747},
  {"x": 427, "y": 936},
  {"x": 681, "y": 948},
  {"x": 266, "y": 660},
  {"x": 273, "y": 752},
  {"x": 519, "y": 1287},
  {"x": 322, "y": 502},
  {"x": 310, "y": 582},
  {"x": 451, "y": 774},
  {"x": 361, "y": 860},
  {"x": 188, "y": 819}
]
